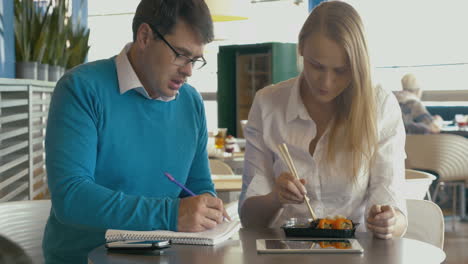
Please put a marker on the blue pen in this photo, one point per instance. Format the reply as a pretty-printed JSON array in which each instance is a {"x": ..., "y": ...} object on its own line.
[{"x": 169, "y": 176}]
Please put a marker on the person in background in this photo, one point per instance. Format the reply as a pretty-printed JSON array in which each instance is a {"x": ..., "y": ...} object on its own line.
[
  {"x": 116, "y": 125},
  {"x": 345, "y": 137},
  {"x": 416, "y": 118}
]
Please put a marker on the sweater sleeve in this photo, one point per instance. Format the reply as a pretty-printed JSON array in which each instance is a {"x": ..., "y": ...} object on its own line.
[
  {"x": 71, "y": 152},
  {"x": 199, "y": 178}
]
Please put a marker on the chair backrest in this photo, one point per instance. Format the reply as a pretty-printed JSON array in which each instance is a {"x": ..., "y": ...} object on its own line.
[
  {"x": 417, "y": 184},
  {"x": 23, "y": 222},
  {"x": 425, "y": 222},
  {"x": 11, "y": 252},
  {"x": 218, "y": 167},
  {"x": 445, "y": 154}
]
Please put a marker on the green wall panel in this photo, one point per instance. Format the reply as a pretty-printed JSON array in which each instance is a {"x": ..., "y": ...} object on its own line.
[{"x": 283, "y": 67}]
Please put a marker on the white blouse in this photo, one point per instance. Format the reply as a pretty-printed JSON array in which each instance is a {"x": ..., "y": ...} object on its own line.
[{"x": 278, "y": 115}]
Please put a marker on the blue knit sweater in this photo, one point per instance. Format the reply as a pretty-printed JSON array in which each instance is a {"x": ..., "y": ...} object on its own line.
[{"x": 105, "y": 156}]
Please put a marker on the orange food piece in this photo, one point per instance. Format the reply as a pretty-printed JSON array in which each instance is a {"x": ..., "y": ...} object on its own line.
[
  {"x": 343, "y": 223},
  {"x": 326, "y": 223}
]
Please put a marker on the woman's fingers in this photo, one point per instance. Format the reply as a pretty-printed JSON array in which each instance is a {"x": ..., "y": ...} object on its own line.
[
  {"x": 288, "y": 197},
  {"x": 290, "y": 189},
  {"x": 381, "y": 221}
]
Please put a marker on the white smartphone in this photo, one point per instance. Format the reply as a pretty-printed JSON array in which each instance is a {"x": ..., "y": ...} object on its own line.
[
  {"x": 138, "y": 245},
  {"x": 320, "y": 245}
]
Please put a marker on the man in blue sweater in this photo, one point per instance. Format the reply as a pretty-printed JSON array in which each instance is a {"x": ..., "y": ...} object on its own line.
[{"x": 116, "y": 125}]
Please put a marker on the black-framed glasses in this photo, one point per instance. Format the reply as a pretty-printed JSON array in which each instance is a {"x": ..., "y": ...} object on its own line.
[{"x": 180, "y": 59}]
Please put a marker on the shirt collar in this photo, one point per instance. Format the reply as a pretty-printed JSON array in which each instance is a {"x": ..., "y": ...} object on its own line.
[
  {"x": 296, "y": 108},
  {"x": 128, "y": 79}
]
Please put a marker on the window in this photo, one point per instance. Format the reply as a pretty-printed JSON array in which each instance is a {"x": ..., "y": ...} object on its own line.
[
  {"x": 424, "y": 37},
  {"x": 110, "y": 23}
]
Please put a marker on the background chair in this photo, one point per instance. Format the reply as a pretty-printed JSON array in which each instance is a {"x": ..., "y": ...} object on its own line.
[
  {"x": 417, "y": 184},
  {"x": 425, "y": 222},
  {"x": 23, "y": 222},
  {"x": 218, "y": 167},
  {"x": 447, "y": 156}
]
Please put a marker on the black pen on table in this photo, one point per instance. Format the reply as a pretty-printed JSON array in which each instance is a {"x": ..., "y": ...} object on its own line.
[{"x": 172, "y": 179}]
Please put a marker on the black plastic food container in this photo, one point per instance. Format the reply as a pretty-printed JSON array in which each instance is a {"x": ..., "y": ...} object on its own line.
[{"x": 296, "y": 227}]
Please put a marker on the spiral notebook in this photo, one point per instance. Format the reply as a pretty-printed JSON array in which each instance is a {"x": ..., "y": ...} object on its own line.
[{"x": 220, "y": 233}]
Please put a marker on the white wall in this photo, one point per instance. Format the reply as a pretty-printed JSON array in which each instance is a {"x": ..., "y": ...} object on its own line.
[
  {"x": 400, "y": 33},
  {"x": 111, "y": 28}
]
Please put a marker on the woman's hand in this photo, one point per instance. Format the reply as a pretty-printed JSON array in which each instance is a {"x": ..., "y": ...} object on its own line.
[
  {"x": 382, "y": 220},
  {"x": 290, "y": 190}
]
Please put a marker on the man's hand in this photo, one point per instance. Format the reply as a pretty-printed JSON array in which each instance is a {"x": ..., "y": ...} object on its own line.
[
  {"x": 290, "y": 190},
  {"x": 381, "y": 221},
  {"x": 199, "y": 213}
]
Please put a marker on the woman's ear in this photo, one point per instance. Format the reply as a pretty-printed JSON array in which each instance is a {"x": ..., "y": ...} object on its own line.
[{"x": 299, "y": 61}]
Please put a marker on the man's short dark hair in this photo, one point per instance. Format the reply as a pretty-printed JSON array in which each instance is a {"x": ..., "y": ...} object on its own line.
[{"x": 164, "y": 14}]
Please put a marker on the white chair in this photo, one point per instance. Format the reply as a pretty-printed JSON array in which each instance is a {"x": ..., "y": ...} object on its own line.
[
  {"x": 417, "y": 184},
  {"x": 23, "y": 222},
  {"x": 219, "y": 167},
  {"x": 425, "y": 222},
  {"x": 447, "y": 156}
]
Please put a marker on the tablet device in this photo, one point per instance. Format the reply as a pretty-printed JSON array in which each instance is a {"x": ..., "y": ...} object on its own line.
[{"x": 320, "y": 245}]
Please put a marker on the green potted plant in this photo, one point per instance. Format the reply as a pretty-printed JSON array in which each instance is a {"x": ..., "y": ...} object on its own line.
[
  {"x": 78, "y": 37},
  {"x": 24, "y": 19},
  {"x": 78, "y": 50},
  {"x": 31, "y": 33},
  {"x": 65, "y": 49},
  {"x": 40, "y": 34},
  {"x": 57, "y": 40}
]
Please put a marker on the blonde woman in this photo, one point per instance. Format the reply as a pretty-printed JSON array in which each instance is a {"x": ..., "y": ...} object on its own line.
[{"x": 345, "y": 137}]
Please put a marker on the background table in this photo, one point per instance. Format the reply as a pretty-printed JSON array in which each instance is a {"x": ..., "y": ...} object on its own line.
[
  {"x": 454, "y": 130},
  {"x": 242, "y": 249},
  {"x": 228, "y": 187},
  {"x": 225, "y": 183}
]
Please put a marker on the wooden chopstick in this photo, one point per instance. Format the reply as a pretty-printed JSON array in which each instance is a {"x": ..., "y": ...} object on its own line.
[{"x": 287, "y": 158}]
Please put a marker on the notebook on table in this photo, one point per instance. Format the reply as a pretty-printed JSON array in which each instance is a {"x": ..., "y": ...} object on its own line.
[
  {"x": 213, "y": 236},
  {"x": 210, "y": 237}
]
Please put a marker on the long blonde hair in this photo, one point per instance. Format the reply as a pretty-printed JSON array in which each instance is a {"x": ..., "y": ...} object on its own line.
[{"x": 356, "y": 109}]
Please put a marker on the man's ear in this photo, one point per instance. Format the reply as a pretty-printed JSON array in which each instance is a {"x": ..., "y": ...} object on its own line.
[
  {"x": 144, "y": 35},
  {"x": 300, "y": 47}
]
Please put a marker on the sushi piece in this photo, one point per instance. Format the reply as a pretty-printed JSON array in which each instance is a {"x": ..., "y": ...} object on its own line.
[
  {"x": 342, "y": 223},
  {"x": 326, "y": 223}
]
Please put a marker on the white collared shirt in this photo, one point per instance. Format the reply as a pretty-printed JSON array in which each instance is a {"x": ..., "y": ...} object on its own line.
[
  {"x": 278, "y": 115},
  {"x": 128, "y": 79}
]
